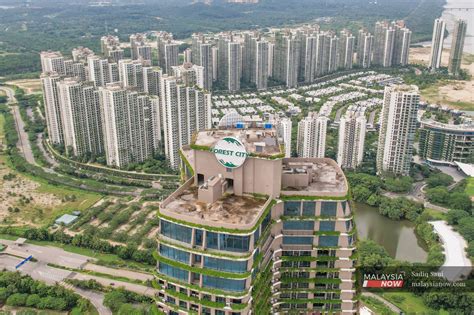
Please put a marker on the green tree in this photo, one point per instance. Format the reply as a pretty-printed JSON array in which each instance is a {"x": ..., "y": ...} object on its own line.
[
  {"x": 439, "y": 179},
  {"x": 372, "y": 254},
  {"x": 439, "y": 195},
  {"x": 459, "y": 200},
  {"x": 454, "y": 216},
  {"x": 17, "y": 299},
  {"x": 466, "y": 228},
  {"x": 114, "y": 300},
  {"x": 33, "y": 300}
]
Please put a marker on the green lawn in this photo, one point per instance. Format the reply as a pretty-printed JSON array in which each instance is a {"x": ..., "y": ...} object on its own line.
[
  {"x": 108, "y": 259},
  {"x": 470, "y": 186},
  {"x": 410, "y": 303},
  {"x": 376, "y": 306},
  {"x": 432, "y": 95},
  {"x": 435, "y": 214},
  {"x": 44, "y": 215}
]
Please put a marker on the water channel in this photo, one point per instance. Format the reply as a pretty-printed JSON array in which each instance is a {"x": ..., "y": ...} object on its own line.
[{"x": 397, "y": 237}]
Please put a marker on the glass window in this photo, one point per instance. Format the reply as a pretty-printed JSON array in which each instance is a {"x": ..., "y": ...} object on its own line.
[
  {"x": 223, "y": 284},
  {"x": 328, "y": 208},
  {"x": 328, "y": 240},
  {"x": 309, "y": 208},
  {"x": 266, "y": 221},
  {"x": 348, "y": 225},
  {"x": 173, "y": 272},
  {"x": 256, "y": 236},
  {"x": 327, "y": 225},
  {"x": 298, "y": 240},
  {"x": 344, "y": 206},
  {"x": 292, "y": 208},
  {"x": 198, "y": 237},
  {"x": 228, "y": 242},
  {"x": 212, "y": 240},
  {"x": 234, "y": 243},
  {"x": 237, "y": 266},
  {"x": 175, "y": 231},
  {"x": 298, "y": 225},
  {"x": 174, "y": 254}
]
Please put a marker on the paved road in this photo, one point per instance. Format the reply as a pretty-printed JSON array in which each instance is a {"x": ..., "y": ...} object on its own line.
[
  {"x": 137, "y": 288},
  {"x": 456, "y": 263},
  {"x": 47, "y": 254},
  {"x": 10, "y": 93},
  {"x": 42, "y": 272},
  {"x": 123, "y": 273},
  {"x": 391, "y": 306},
  {"x": 96, "y": 298},
  {"x": 37, "y": 270},
  {"x": 23, "y": 143}
]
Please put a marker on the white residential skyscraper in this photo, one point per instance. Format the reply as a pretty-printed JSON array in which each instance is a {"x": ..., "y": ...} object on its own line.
[
  {"x": 190, "y": 75},
  {"x": 352, "y": 127},
  {"x": 346, "y": 50},
  {"x": 457, "y": 46},
  {"x": 260, "y": 75},
  {"x": 127, "y": 125},
  {"x": 52, "y": 61},
  {"x": 397, "y": 129},
  {"x": 283, "y": 127},
  {"x": 52, "y": 106},
  {"x": 439, "y": 28},
  {"x": 312, "y": 136},
  {"x": 185, "y": 110},
  {"x": 131, "y": 74},
  {"x": 80, "y": 114},
  {"x": 365, "y": 42},
  {"x": 140, "y": 49}
]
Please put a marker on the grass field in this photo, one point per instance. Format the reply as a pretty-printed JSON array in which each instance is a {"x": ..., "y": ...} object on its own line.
[
  {"x": 47, "y": 201},
  {"x": 106, "y": 258},
  {"x": 470, "y": 186},
  {"x": 435, "y": 214},
  {"x": 411, "y": 304},
  {"x": 435, "y": 96}
]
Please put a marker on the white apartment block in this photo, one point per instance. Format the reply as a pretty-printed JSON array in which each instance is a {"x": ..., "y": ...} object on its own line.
[
  {"x": 52, "y": 61},
  {"x": 311, "y": 142},
  {"x": 131, "y": 74},
  {"x": 52, "y": 106},
  {"x": 283, "y": 127},
  {"x": 352, "y": 127},
  {"x": 185, "y": 110},
  {"x": 365, "y": 44},
  {"x": 80, "y": 114},
  {"x": 437, "y": 40},
  {"x": 127, "y": 125},
  {"x": 397, "y": 129}
]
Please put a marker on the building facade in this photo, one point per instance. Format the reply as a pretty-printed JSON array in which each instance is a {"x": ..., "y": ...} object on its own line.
[
  {"x": 311, "y": 141},
  {"x": 446, "y": 142},
  {"x": 457, "y": 46},
  {"x": 398, "y": 123},
  {"x": 352, "y": 128},
  {"x": 439, "y": 29},
  {"x": 277, "y": 235}
]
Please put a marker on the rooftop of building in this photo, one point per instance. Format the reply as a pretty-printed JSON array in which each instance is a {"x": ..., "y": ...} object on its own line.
[
  {"x": 435, "y": 124},
  {"x": 313, "y": 176},
  {"x": 228, "y": 211},
  {"x": 260, "y": 141}
]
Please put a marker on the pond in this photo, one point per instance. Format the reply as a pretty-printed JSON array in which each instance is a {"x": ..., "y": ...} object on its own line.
[{"x": 397, "y": 237}]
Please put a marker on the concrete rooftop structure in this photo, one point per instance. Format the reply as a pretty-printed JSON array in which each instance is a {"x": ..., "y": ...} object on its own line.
[
  {"x": 322, "y": 176},
  {"x": 229, "y": 209},
  {"x": 256, "y": 140}
]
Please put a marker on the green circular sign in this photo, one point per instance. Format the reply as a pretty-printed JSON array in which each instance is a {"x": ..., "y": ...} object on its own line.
[{"x": 230, "y": 152}]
